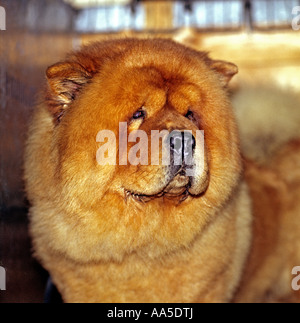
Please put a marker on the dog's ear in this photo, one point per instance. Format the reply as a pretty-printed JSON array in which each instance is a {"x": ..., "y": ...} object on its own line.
[
  {"x": 224, "y": 69},
  {"x": 65, "y": 80}
]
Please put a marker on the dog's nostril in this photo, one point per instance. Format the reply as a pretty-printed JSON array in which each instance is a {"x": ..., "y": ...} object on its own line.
[
  {"x": 190, "y": 141},
  {"x": 189, "y": 147}
]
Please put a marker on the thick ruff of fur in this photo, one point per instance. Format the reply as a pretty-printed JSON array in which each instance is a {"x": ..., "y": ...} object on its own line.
[{"x": 140, "y": 233}]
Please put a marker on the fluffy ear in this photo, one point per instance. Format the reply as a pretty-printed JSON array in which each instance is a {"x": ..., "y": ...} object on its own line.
[
  {"x": 64, "y": 83},
  {"x": 224, "y": 69}
]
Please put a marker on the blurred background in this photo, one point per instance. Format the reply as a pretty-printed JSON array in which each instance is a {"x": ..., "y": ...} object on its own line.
[{"x": 260, "y": 36}]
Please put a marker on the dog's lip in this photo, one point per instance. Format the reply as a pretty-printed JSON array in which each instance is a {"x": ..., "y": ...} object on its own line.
[
  {"x": 178, "y": 184},
  {"x": 177, "y": 187},
  {"x": 180, "y": 195}
]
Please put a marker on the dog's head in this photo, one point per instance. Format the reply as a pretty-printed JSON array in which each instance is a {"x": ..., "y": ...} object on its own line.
[{"x": 144, "y": 122}]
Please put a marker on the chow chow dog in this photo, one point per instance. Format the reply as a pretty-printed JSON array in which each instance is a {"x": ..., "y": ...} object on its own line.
[{"x": 112, "y": 222}]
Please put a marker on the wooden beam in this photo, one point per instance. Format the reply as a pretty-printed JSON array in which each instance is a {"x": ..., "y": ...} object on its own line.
[{"x": 159, "y": 15}]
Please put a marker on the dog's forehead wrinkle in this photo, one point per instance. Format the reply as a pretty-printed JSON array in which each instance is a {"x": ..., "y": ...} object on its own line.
[{"x": 157, "y": 75}]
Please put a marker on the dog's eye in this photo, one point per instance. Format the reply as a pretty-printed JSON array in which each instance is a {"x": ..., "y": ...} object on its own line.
[
  {"x": 140, "y": 114},
  {"x": 190, "y": 115}
]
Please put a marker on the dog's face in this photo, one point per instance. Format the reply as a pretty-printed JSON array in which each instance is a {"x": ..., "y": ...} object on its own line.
[
  {"x": 170, "y": 162},
  {"x": 144, "y": 126}
]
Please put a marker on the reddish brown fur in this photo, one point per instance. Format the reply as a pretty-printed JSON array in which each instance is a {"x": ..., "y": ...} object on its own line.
[
  {"x": 275, "y": 190},
  {"x": 101, "y": 246}
]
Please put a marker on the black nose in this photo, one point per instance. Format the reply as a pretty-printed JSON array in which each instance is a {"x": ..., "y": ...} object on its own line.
[{"x": 182, "y": 145}]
